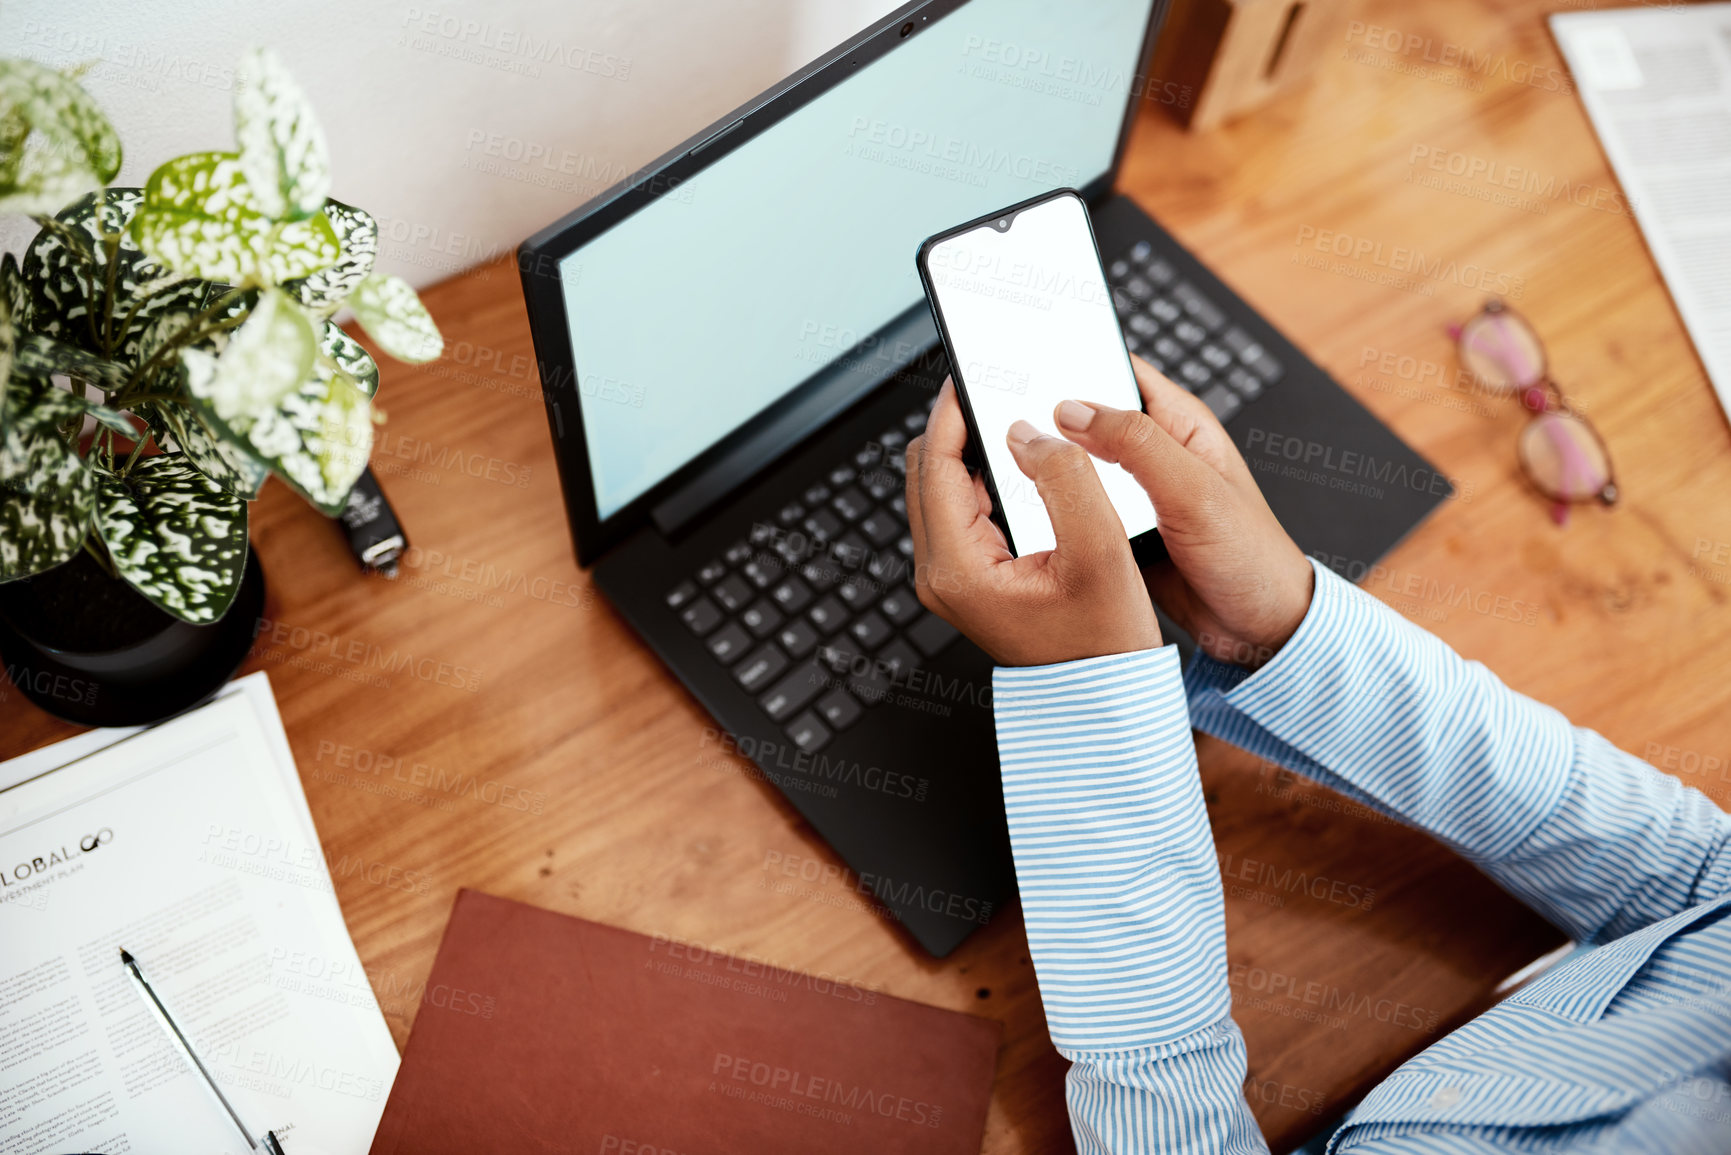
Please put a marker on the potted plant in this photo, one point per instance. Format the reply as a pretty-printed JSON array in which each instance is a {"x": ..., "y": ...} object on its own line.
[{"x": 163, "y": 351}]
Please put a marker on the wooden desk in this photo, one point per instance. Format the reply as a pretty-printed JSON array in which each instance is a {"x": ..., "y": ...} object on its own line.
[{"x": 576, "y": 774}]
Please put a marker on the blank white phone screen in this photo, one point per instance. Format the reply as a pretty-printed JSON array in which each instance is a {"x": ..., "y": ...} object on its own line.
[{"x": 1029, "y": 322}]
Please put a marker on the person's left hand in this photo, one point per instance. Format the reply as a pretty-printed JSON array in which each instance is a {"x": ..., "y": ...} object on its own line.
[{"x": 1082, "y": 599}]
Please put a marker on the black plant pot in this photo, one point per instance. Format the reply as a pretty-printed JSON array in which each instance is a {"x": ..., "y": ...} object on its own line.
[{"x": 89, "y": 648}]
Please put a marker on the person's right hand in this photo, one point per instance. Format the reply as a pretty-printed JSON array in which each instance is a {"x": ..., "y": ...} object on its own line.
[{"x": 1235, "y": 582}]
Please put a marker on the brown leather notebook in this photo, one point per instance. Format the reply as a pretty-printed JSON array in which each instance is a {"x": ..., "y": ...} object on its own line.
[{"x": 541, "y": 1032}]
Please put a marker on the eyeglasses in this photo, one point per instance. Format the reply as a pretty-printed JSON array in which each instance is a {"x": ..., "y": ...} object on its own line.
[{"x": 1561, "y": 453}]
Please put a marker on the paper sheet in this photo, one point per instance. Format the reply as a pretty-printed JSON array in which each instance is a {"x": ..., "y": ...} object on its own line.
[
  {"x": 191, "y": 845},
  {"x": 1656, "y": 82}
]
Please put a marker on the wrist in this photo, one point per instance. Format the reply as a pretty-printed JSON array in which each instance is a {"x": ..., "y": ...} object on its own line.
[{"x": 1293, "y": 595}]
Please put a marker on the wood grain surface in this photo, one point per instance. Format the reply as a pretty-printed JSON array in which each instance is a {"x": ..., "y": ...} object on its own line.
[{"x": 487, "y": 721}]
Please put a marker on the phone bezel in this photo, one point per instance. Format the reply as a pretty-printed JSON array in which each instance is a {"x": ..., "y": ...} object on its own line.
[{"x": 975, "y": 442}]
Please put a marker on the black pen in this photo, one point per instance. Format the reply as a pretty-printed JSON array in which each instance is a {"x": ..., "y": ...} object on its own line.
[{"x": 269, "y": 1143}]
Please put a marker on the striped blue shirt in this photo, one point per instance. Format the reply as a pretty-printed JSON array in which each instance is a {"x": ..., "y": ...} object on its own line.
[{"x": 1625, "y": 1046}]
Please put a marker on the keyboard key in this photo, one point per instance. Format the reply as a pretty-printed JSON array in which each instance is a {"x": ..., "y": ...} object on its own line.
[
  {"x": 680, "y": 594},
  {"x": 857, "y": 593},
  {"x": 1190, "y": 333},
  {"x": 1123, "y": 302},
  {"x": 905, "y": 545},
  {"x": 817, "y": 494},
  {"x": 712, "y": 573},
  {"x": 1198, "y": 305},
  {"x": 1141, "y": 251},
  {"x": 821, "y": 573},
  {"x": 897, "y": 463},
  {"x": 838, "y": 656},
  {"x": 798, "y": 638},
  {"x": 701, "y": 616},
  {"x": 1118, "y": 269},
  {"x": 899, "y": 506},
  {"x": 868, "y": 455},
  {"x": 791, "y": 595},
  {"x": 1134, "y": 343},
  {"x": 841, "y": 475},
  {"x": 1195, "y": 375},
  {"x": 1169, "y": 350},
  {"x": 931, "y": 634},
  {"x": 762, "y": 572},
  {"x": 893, "y": 440},
  {"x": 1139, "y": 289},
  {"x": 898, "y": 659},
  {"x": 851, "y": 504},
  {"x": 880, "y": 528},
  {"x": 869, "y": 681},
  {"x": 1267, "y": 368},
  {"x": 733, "y": 593},
  {"x": 1142, "y": 325},
  {"x": 882, "y": 483},
  {"x": 915, "y": 423},
  {"x": 828, "y": 615},
  {"x": 762, "y": 618},
  {"x": 762, "y": 533},
  {"x": 729, "y": 643},
  {"x": 1215, "y": 357},
  {"x": 1160, "y": 271},
  {"x": 900, "y": 606},
  {"x": 737, "y": 553},
  {"x": 1165, "y": 310},
  {"x": 887, "y": 567},
  {"x": 850, "y": 552},
  {"x": 757, "y": 671},
  {"x": 1245, "y": 383},
  {"x": 1154, "y": 359},
  {"x": 1223, "y": 402},
  {"x": 871, "y": 631},
  {"x": 823, "y": 525},
  {"x": 809, "y": 734},
  {"x": 791, "y": 513},
  {"x": 839, "y": 710},
  {"x": 793, "y": 691}
]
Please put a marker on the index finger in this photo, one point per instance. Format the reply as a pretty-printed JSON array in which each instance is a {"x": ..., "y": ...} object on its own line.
[{"x": 948, "y": 503}]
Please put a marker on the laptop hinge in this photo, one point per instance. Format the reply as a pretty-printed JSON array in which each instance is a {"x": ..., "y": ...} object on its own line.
[{"x": 847, "y": 379}]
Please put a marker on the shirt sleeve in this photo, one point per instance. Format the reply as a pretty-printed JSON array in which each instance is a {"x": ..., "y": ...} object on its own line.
[
  {"x": 1367, "y": 703},
  {"x": 1121, "y": 893}
]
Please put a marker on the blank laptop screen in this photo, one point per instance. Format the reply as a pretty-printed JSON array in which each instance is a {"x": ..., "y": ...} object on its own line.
[{"x": 700, "y": 310}]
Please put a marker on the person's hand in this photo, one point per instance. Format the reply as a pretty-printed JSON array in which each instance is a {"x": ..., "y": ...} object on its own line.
[
  {"x": 1235, "y": 582},
  {"x": 1082, "y": 599}
]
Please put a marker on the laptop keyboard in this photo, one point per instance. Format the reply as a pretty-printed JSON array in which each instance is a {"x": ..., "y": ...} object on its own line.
[
  {"x": 813, "y": 612},
  {"x": 1172, "y": 325}
]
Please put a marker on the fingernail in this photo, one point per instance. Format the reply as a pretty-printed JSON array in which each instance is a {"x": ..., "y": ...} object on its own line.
[
  {"x": 1021, "y": 433},
  {"x": 1075, "y": 416}
]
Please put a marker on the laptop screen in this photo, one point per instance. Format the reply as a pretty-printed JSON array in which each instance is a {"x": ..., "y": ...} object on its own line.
[{"x": 700, "y": 310}]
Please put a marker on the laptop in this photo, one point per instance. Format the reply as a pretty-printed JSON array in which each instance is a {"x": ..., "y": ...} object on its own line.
[{"x": 735, "y": 351}]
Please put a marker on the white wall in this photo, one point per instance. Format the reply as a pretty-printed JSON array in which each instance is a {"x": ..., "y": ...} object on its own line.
[{"x": 463, "y": 126}]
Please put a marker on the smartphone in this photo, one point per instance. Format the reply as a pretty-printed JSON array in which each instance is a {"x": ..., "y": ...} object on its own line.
[{"x": 1021, "y": 301}]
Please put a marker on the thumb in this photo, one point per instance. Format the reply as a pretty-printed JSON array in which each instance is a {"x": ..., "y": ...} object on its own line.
[
  {"x": 1086, "y": 526},
  {"x": 1175, "y": 479}
]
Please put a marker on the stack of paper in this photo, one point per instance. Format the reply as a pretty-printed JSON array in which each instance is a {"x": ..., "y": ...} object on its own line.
[{"x": 191, "y": 845}]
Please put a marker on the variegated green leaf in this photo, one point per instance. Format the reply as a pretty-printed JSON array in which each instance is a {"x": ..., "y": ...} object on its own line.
[
  {"x": 350, "y": 357},
  {"x": 268, "y": 357},
  {"x": 55, "y": 143},
  {"x": 14, "y": 293},
  {"x": 47, "y": 491},
  {"x": 68, "y": 279},
  {"x": 318, "y": 440},
  {"x": 176, "y": 536},
  {"x": 358, "y": 236},
  {"x": 201, "y": 218},
  {"x": 393, "y": 315},
  {"x": 282, "y": 147},
  {"x": 221, "y": 461},
  {"x": 43, "y": 355}
]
